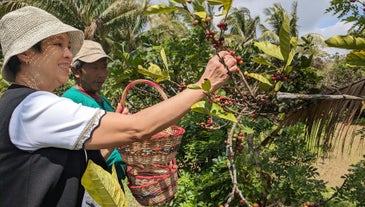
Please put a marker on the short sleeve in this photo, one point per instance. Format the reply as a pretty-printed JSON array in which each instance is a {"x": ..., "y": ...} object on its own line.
[{"x": 44, "y": 119}]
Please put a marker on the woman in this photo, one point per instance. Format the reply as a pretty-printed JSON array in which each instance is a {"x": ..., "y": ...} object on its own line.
[{"x": 43, "y": 136}]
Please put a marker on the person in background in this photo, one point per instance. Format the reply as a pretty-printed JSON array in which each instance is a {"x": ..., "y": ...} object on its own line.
[
  {"x": 43, "y": 137},
  {"x": 90, "y": 70}
]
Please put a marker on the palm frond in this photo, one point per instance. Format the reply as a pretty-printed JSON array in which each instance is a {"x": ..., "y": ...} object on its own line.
[{"x": 331, "y": 122}]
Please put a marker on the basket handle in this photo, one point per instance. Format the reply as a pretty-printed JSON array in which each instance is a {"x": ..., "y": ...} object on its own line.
[{"x": 137, "y": 82}]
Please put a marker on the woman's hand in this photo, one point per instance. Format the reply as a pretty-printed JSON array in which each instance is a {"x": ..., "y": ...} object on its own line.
[
  {"x": 122, "y": 110},
  {"x": 219, "y": 69}
]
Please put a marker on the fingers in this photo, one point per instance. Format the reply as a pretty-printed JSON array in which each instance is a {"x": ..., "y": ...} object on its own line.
[
  {"x": 121, "y": 109},
  {"x": 228, "y": 61},
  {"x": 219, "y": 69}
]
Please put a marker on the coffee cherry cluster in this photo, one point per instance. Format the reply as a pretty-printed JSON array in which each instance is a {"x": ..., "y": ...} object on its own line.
[
  {"x": 240, "y": 137},
  {"x": 222, "y": 26},
  {"x": 216, "y": 42},
  {"x": 279, "y": 77},
  {"x": 224, "y": 100},
  {"x": 263, "y": 99},
  {"x": 211, "y": 36},
  {"x": 238, "y": 58},
  {"x": 210, "y": 124}
]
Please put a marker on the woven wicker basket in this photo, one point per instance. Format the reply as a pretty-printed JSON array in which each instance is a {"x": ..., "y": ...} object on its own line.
[
  {"x": 153, "y": 186},
  {"x": 160, "y": 148}
]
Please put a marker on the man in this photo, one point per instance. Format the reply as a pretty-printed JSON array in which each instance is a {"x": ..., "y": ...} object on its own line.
[{"x": 90, "y": 71}]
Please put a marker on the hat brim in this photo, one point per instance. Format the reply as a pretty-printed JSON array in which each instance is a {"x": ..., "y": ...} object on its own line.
[{"x": 93, "y": 58}]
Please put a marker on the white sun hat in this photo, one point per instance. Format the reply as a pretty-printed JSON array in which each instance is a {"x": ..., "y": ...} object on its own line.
[{"x": 23, "y": 28}]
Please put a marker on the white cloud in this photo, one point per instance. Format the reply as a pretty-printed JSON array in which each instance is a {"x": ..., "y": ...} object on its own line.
[{"x": 340, "y": 28}]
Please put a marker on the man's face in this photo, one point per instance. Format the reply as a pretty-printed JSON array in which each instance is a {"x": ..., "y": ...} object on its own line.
[{"x": 93, "y": 75}]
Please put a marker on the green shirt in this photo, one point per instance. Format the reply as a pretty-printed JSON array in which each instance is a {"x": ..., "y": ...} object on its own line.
[{"x": 86, "y": 100}]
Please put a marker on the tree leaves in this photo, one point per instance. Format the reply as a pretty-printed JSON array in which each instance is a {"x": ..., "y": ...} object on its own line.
[
  {"x": 356, "y": 58},
  {"x": 154, "y": 71},
  {"x": 284, "y": 36},
  {"x": 346, "y": 42},
  {"x": 270, "y": 49},
  {"x": 160, "y": 9},
  {"x": 213, "y": 109}
]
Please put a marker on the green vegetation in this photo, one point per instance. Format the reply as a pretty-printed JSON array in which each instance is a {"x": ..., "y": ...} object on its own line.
[{"x": 271, "y": 158}]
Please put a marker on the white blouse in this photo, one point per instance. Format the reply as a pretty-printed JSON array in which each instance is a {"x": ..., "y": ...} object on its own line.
[{"x": 44, "y": 119}]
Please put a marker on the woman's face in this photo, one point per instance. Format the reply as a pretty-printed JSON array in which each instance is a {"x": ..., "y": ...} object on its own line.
[{"x": 49, "y": 68}]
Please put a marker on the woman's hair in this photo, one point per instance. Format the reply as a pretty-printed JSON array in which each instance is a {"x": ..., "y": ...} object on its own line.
[{"x": 14, "y": 62}]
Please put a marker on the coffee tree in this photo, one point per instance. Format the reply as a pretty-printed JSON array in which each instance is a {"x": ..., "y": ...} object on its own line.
[{"x": 246, "y": 108}]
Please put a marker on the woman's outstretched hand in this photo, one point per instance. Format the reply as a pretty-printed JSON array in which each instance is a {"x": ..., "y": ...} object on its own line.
[{"x": 219, "y": 69}]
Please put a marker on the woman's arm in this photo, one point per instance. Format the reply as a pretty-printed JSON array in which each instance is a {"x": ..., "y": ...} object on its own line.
[{"x": 116, "y": 129}]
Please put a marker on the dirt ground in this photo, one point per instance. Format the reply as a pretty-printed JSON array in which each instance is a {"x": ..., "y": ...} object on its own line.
[{"x": 332, "y": 168}]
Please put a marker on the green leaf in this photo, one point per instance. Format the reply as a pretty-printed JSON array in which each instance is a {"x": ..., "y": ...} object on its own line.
[
  {"x": 193, "y": 86},
  {"x": 247, "y": 129},
  {"x": 288, "y": 69},
  {"x": 264, "y": 87},
  {"x": 260, "y": 78},
  {"x": 284, "y": 37},
  {"x": 262, "y": 61},
  {"x": 270, "y": 49},
  {"x": 102, "y": 186},
  {"x": 179, "y": 1},
  {"x": 201, "y": 14},
  {"x": 200, "y": 107},
  {"x": 155, "y": 72},
  {"x": 278, "y": 85},
  {"x": 290, "y": 57},
  {"x": 227, "y": 4},
  {"x": 206, "y": 85},
  {"x": 213, "y": 110},
  {"x": 346, "y": 42},
  {"x": 218, "y": 111},
  {"x": 356, "y": 58},
  {"x": 215, "y": 2},
  {"x": 164, "y": 58},
  {"x": 160, "y": 9}
]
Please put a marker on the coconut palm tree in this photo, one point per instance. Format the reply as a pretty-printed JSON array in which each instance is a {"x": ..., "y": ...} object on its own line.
[
  {"x": 243, "y": 26},
  {"x": 106, "y": 21},
  {"x": 275, "y": 19}
]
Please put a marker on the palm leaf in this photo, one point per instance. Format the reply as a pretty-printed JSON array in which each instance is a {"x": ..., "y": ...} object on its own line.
[{"x": 330, "y": 122}]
